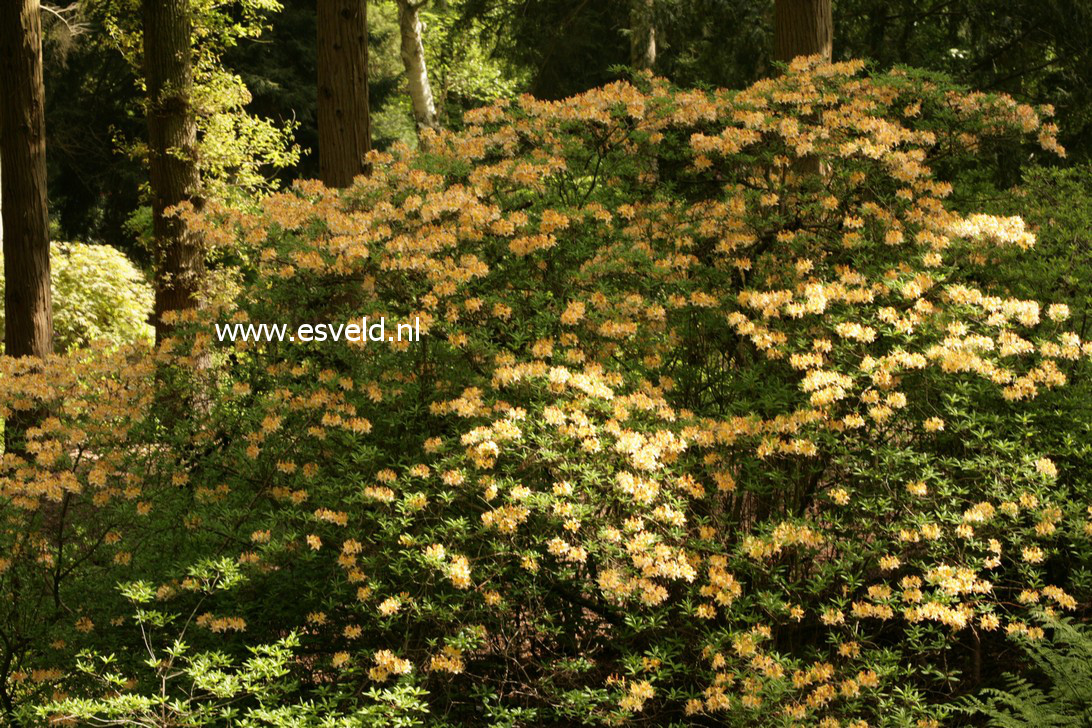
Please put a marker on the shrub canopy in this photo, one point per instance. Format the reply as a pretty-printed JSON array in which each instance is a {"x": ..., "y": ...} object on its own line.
[
  {"x": 98, "y": 294},
  {"x": 716, "y": 419}
]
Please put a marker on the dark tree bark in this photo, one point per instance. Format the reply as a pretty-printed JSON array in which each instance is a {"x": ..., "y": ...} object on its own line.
[
  {"x": 28, "y": 313},
  {"x": 343, "y": 120},
  {"x": 172, "y": 154},
  {"x": 642, "y": 35},
  {"x": 802, "y": 28}
]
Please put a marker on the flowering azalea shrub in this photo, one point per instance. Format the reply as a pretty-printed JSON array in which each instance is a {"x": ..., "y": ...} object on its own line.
[
  {"x": 84, "y": 479},
  {"x": 716, "y": 419}
]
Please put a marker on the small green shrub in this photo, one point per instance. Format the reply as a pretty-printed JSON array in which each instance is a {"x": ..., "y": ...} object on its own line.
[{"x": 97, "y": 294}]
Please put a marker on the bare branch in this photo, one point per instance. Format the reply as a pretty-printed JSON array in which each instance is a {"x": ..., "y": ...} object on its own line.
[{"x": 60, "y": 14}]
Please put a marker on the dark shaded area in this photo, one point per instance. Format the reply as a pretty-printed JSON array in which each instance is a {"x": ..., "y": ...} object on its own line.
[
  {"x": 92, "y": 103},
  {"x": 280, "y": 71},
  {"x": 569, "y": 46},
  {"x": 1039, "y": 51}
]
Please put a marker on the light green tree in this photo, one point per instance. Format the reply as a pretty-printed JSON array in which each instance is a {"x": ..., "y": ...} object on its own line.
[{"x": 236, "y": 150}]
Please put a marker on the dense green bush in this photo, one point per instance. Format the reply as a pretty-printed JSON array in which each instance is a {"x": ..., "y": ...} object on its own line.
[
  {"x": 97, "y": 295},
  {"x": 1057, "y": 205},
  {"x": 209, "y": 688}
]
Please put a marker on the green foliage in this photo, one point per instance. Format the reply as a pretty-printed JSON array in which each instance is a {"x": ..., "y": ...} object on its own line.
[
  {"x": 176, "y": 685},
  {"x": 462, "y": 74},
  {"x": 612, "y": 469},
  {"x": 483, "y": 49},
  {"x": 1055, "y": 690},
  {"x": 237, "y": 152},
  {"x": 716, "y": 43},
  {"x": 92, "y": 99},
  {"x": 97, "y": 295},
  {"x": 729, "y": 409},
  {"x": 562, "y": 47},
  {"x": 392, "y": 113},
  {"x": 1057, "y": 204},
  {"x": 1038, "y": 50}
]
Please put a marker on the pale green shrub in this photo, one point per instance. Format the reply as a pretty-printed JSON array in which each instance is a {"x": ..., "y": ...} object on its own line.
[{"x": 97, "y": 294}]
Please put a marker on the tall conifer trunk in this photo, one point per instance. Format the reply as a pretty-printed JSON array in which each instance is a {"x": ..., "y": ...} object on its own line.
[
  {"x": 28, "y": 325},
  {"x": 803, "y": 28},
  {"x": 343, "y": 118},
  {"x": 172, "y": 152}
]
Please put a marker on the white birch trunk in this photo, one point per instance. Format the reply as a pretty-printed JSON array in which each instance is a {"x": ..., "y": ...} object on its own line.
[
  {"x": 642, "y": 35},
  {"x": 413, "y": 56}
]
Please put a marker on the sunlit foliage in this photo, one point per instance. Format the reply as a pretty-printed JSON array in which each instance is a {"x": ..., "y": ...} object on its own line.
[
  {"x": 237, "y": 151},
  {"x": 98, "y": 295}
]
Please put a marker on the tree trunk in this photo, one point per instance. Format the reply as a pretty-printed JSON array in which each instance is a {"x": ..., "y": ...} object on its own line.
[
  {"x": 172, "y": 154},
  {"x": 413, "y": 57},
  {"x": 343, "y": 120},
  {"x": 28, "y": 326},
  {"x": 642, "y": 35},
  {"x": 802, "y": 28}
]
